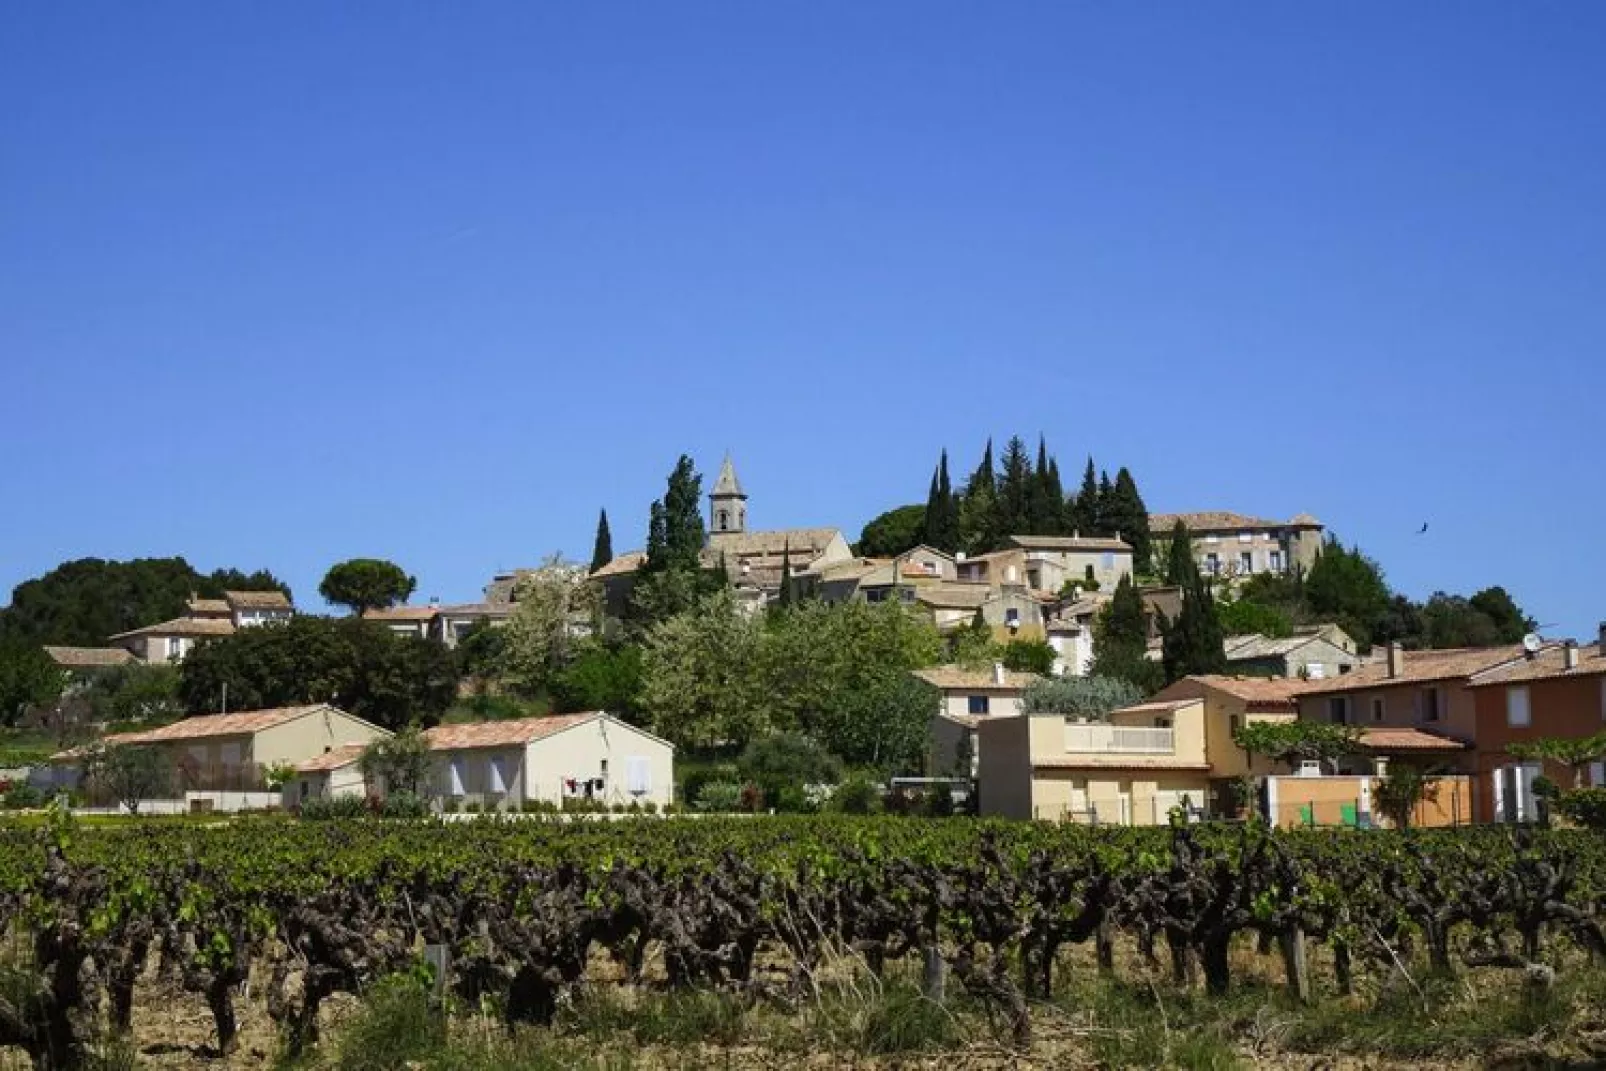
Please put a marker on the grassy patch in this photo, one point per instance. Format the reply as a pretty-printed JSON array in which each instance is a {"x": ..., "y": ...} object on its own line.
[
  {"x": 396, "y": 1025},
  {"x": 680, "y": 1018}
]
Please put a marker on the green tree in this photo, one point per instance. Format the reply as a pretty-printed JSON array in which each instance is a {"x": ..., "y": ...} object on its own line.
[
  {"x": 1126, "y": 516},
  {"x": 1081, "y": 697},
  {"x": 700, "y": 680},
  {"x": 28, "y": 678},
  {"x": 893, "y": 532},
  {"x": 1347, "y": 587},
  {"x": 1243, "y": 617},
  {"x": 978, "y": 509},
  {"x": 136, "y": 693},
  {"x": 941, "y": 519},
  {"x": 1193, "y": 642},
  {"x": 786, "y": 597},
  {"x": 602, "y": 547},
  {"x": 600, "y": 676},
  {"x": 671, "y": 579},
  {"x": 1575, "y": 753},
  {"x": 359, "y": 666},
  {"x": 1086, "y": 510},
  {"x": 781, "y": 764},
  {"x": 1294, "y": 741},
  {"x": 553, "y": 606},
  {"x": 973, "y": 646},
  {"x": 80, "y": 603},
  {"x": 1452, "y": 621},
  {"x": 1028, "y": 656},
  {"x": 1105, "y": 525},
  {"x": 128, "y": 774},
  {"x": 400, "y": 763},
  {"x": 1045, "y": 509},
  {"x": 1510, "y": 622},
  {"x": 482, "y": 651},
  {"x": 362, "y": 584},
  {"x": 1015, "y": 491},
  {"x": 1398, "y": 792},
  {"x": 1121, "y": 640}
]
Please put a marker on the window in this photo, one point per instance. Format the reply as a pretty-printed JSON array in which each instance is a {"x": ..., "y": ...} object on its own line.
[
  {"x": 929, "y": 568},
  {"x": 1315, "y": 671},
  {"x": 638, "y": 775},
  {"x": 456, "y": 770},
  {"x": 875, "y": 595},
  {"x": 1244, "y": 537},
  {"x": 1011, "y": 575},
  {"x": 1246, "y": 561},
  {"x": 978, "y": 704},
  {"x": 1377, "y": 708},
  {"x": 1518, "y": 716},
  {"x": 1338, "y": 710},
  {"x": 906, "y": 594},
  {"x": 1107, "y": 561},
  {"x": 1274, "y": 560},
  {"x": 1429, "y": 704},
  {"x": 604, "y": 768},
  {"x": 724, "y": 520}
]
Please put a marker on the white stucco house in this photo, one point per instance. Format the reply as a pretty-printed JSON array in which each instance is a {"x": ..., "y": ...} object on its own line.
[{"x": 501, "y": 764}]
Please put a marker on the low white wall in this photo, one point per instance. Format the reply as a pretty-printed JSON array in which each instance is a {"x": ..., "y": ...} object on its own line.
[{"x": 222, "y": 803}]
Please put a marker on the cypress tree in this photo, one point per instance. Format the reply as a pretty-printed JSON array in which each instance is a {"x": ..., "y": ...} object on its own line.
[
  {"x": 1014, "y": 497},
  {"x": 1193, "y": 642},
  {"x": 977, "y": 508},
  {"x": 931, "y": 525},
  {"x": 946, "y": 536},
  {"x": 1087, "y": 502},
  {"x": 1104, "y": 502},
  {"x": 786, "y": 596},
  {"x": 602, "y": 549},
  {"x": 1129, "y": 518},
  {"x": 1045, "y": 509},
  {"x": 1121, "y": 638}
]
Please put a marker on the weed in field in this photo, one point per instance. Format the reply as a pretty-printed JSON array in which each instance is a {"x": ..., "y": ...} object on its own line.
[{"x": 396, "y": 1024}]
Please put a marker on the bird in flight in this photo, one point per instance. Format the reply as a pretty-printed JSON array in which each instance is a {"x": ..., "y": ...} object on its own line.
[{"x": 1423, "y": 529}]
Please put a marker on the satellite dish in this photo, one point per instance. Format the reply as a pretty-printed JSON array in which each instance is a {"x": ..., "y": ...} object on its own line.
[{"x": 1531, "y": 643}]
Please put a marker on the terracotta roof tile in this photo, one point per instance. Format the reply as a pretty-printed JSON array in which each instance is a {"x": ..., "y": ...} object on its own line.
[
  {"x": 1224, "y": 521},
  {"x": 957, "y": 677},
  {"x": 183, "y": 626},
  {"x": 333, "y": 759},
  {"x": 1258, "y": 693},
  {"x": 245, "y": 723},
  {"x": 208, "y": 606},
  {"x": 258, "y": 600},
  {"x": 954, "y": 595},
  {"x": 402, "y": 613},
  {"x": 503, "y": 733},
  {"x": 1419, "y": 667},
  {"x": 1409, "y": 740},
  {"x": 1087, "y": 543},
  {"x": 1548, "y": 664},
  {"x": 89, "y": 657}
]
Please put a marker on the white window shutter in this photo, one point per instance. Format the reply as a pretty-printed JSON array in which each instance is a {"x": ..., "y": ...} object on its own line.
[
  {"x": 1499, "y": 795},
  {"x": 497, "y": 778},
  {"x": 638, "y": 775},
  {"x": 457, "y": 776}
]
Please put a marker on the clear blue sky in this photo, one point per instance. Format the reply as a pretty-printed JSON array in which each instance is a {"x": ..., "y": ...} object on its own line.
[{"x": 284, "y": 283}]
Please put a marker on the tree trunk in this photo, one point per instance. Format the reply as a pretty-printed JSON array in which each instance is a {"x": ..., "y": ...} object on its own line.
[
  {"x": 1217, "y": 972},
  {"x": 1294, "y": 963},
  {"x": 219, "y": 999},
  {"x": 1341, "y": 968}
]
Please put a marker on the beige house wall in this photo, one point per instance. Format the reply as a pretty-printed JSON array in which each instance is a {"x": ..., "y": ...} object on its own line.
[
  {"x": 311, "y": 735},
  {"x": 473, "y": 765},
  {"x": 581, "y": 752},
  {"x": 1112, "y": 797},
  {"x": 1187, "y": 728}
]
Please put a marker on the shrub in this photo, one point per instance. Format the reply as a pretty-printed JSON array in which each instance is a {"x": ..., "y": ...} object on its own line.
[
  {"x": 857, "y": 795},
  {"x": 23, "y": 797},
  {"x": 1029, "y": 656},
  {"x": 1584, "y": 806},
  {"x": 752, "y": 798},
  {"x": 786, "y": 761},
  {"x": 1081, "y": 697},
  {"x": 718, "y": 796},
  {"x": 334, "y": 808},
  {"x": 404, "y": 805},
  {"x": 692, "y": 785},
  {"x": 396, "y": 1026}
]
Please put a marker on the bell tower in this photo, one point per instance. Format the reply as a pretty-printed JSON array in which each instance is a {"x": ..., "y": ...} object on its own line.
[{"x": 727, "y": 503}]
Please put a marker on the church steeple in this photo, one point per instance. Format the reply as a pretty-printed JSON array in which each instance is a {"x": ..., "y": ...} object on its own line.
[{"x": 727, "y": 503}]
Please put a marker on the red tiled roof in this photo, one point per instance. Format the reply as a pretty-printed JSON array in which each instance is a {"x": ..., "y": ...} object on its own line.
[
  {"x": 333, "y": 759},
  {"x": 1419, "y": 667},
  {"x": 1409, "y": 740},
  {"x": 503, "y": 733},
  {"x": 1549, "y": 663},
  {"x": 1258, "y": 693},
  {"x": 89, "y": 657},
  {"x": 183, "y": 626},
  {"x": 206, "y": 726},
  {"x": 258, "y": 600}
]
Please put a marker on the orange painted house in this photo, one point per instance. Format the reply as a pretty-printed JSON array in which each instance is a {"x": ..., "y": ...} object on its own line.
[{"x": 1560, "y": 693}]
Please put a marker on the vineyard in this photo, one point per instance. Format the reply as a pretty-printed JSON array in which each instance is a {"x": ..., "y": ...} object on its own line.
[{"x": 526, "y": 915}]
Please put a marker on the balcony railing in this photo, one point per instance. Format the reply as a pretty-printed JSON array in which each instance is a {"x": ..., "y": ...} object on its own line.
[{"x": 1118, "y": 739}]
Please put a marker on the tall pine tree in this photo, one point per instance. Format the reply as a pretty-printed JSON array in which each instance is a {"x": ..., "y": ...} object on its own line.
[{"x": 602, "y": 549}]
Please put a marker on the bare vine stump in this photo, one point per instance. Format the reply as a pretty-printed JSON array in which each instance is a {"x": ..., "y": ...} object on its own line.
[
  {"x": 1104, "y": 944},
  {"x": 1295, "y": 964}
]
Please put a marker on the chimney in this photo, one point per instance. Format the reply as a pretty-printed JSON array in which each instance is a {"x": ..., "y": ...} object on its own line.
[
  {"x": 1396, "y": 659},
  {"x": 998, "y": 673},
  {"x": 1569, "y": 654}
]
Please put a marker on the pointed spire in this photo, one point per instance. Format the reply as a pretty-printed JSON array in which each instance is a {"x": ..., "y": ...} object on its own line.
[{"x": 727, "y": 485}]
